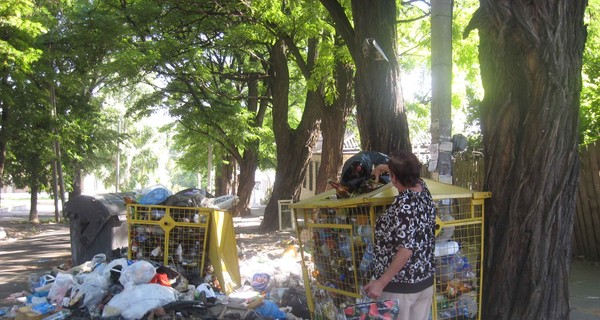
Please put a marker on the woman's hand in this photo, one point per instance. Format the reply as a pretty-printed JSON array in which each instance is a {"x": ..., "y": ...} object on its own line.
[{"x": 374, "y": 289}]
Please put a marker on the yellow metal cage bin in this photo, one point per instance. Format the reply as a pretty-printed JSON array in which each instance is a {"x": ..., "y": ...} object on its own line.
[
  {"x": 183, "y": 238},
  {"x": 336, "y": 237}
]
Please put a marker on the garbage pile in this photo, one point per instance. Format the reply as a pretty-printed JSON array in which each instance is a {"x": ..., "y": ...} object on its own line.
[
  {"x": 141, "y": 289},
  {"x": 192, "y": 197},
  {"x": 122, "y": 285}
]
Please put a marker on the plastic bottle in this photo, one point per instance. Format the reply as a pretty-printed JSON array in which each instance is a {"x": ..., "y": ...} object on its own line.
[
  {"x": 344, "y": 245},
  {"x": 367, "y": 259},
  {"x": 179, "y": 253}
]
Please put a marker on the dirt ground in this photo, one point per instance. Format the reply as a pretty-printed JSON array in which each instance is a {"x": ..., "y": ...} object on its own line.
[{"x": 20, "y": 229}]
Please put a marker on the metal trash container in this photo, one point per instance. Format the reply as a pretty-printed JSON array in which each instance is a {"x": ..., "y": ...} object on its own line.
[{"x": 98, "y": 224}]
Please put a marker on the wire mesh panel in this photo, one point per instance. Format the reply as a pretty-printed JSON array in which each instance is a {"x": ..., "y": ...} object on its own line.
[
  {"x": 458, "y": 273},
  {"x": 336, "y": 238},
  {"x": 173, "y": 236}
]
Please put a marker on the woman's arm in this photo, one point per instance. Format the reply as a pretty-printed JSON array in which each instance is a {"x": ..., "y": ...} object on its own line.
[{"x": 374, "y": 288}]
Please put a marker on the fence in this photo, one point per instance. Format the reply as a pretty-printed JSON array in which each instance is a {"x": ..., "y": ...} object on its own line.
[
  {"x": 586, "y": 227},
  {"x": 468, "y": 172}
]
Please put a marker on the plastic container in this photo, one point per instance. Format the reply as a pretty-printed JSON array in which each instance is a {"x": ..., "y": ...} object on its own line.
[
  {"x": 367, "y": 259},
  {"x": 98, "y": 224}
]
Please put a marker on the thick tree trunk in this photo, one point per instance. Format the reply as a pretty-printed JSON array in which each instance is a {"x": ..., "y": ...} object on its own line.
[
  {"x": 76, "y": 184},
  {"x": 4, "y": 134},
  {"x": 531, "y": 56},
  {"x": 249, "y": 160},
  {"x": 333, "y": 128},
  {"x": 380, "y": 110},
  {"x": 247, "y": 180},
  {"x": 225, "y": 178},
  {"x": 379, "y": 106},
  {"x": 294, "y": 146}
]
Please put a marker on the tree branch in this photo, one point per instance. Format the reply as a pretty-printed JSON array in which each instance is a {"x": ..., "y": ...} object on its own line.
[
  {"x": 342, "y": 24},
  {"x": 425, "y": 15}
]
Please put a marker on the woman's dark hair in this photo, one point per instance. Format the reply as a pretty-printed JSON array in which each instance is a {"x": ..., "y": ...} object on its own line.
[{"x": 406, "y": 167}]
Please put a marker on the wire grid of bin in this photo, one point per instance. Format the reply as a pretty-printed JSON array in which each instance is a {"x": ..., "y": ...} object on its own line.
[
  {"x": 336, "y": 236},
  {"x": 173, "y": 236}
]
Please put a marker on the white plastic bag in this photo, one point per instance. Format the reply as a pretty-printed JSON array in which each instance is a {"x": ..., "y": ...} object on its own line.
[
  {"x": 136, "y": 302},
  {"x": 111, "y": 266},
  {"x": 62, "y": 283},
  {"x": 93, "y": 288},
  {"x": 140, "y": 272}
]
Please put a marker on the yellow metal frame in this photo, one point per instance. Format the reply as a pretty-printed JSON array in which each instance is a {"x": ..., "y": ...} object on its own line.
[
  {"x": 384, "y": 196},
  {"x": 138, "y": 214}
]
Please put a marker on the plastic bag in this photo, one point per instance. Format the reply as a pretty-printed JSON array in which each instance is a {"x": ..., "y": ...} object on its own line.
[
  {"x": 155, "y": 194},
  {"x": 207, "y": 289},
  {"x": 187, "y": 198},
  {"x": 92, "y": 289},
  {"x": 373, "y": 310},
  {"x": 122, "y": 262},
  {"x": 62, "y": 283},
  {"x": 269, "y": 309},
  {"x": 135, "y": 303},
  {"x": 223, "y": 202},
  {"x": 140, "y": 272}
]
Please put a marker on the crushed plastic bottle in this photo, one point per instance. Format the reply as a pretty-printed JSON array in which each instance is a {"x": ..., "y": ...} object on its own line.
[{"x": 367, "y": 259}]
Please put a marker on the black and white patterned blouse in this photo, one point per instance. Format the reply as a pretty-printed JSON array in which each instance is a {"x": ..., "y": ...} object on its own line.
[{"x": 410, "y": 223}]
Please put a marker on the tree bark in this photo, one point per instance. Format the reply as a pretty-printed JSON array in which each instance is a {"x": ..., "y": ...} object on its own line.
[
  {"x": 380, "y": 110},
  {"x": 4, "y": 130},
  {"x": 531, "y": 57},
  {"x": 76, "y": 184},
  {"x": 249, "y": 160},
  {"x": 333, "y": 129},
  {"x": 34, "y": 190},
  {"x": 294, "y": 146},
  {"x": 224, "y": 179}
]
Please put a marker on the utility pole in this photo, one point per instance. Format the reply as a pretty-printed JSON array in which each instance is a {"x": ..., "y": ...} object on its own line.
[{"x": 441, "y": 91}]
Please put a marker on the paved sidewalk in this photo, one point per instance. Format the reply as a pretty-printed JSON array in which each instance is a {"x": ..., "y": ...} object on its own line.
[{"x": 35, "y": 254}]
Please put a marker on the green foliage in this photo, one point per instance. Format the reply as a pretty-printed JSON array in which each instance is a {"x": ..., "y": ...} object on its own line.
[
  {"x": 19, "y": 29},
  {"x": 589, "y": 113}
]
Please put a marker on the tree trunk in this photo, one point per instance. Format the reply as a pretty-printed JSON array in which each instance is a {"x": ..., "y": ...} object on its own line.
[
  {"x": 34, "y": 190},
  {"x": 294, "y": 146},
  {"x": 223, "y": 181},
  {"x": 76, "y": 184},
  {"x": 4, "y": 122},
  {"x": 247, "y": 180},
  {"x": 379, "y": 106},
  {"x": 531, "y": 57},
  {"x": 333, "y": 128},
  {"x": 249, "y": 160}
]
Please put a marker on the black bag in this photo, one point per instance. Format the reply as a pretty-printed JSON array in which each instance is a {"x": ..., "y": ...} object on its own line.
[
  {"x": 357, "y": 169},
  {"x": 188, "y": 198}
]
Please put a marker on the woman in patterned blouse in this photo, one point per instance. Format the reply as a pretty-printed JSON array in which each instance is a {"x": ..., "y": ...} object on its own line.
[{"x": 404, "y": 263}]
